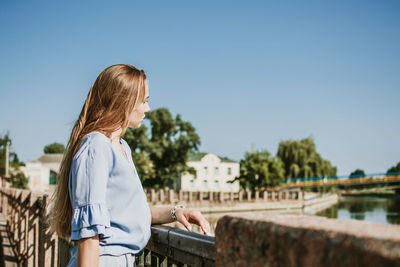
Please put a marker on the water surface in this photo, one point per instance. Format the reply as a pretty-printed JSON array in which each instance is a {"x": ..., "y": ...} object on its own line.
[{"x": 365, "y": 208}]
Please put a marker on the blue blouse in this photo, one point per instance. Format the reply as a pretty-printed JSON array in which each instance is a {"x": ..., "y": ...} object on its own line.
[{"x": 108, "y": 198}]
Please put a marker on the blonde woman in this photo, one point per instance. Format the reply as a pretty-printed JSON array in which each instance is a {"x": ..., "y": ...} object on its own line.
[{"x": 99, "y": 201}]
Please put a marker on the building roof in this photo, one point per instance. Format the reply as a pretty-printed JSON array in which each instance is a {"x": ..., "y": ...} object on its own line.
[
  {"x": 54, "y": 158},
  {"x": 198, "y": 156}
]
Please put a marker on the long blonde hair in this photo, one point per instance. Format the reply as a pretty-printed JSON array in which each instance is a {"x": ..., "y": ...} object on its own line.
[{"x": 108, "y": 105}]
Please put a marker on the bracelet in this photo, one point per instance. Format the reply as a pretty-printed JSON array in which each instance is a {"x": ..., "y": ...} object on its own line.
[{"x": 174, "y": 209}]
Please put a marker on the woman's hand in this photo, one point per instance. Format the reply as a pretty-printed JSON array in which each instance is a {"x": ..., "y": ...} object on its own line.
[{"x": 188, "y": 216}]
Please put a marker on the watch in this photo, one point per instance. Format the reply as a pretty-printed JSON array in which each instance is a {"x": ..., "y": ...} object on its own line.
[{"x": 174, "y": 209}]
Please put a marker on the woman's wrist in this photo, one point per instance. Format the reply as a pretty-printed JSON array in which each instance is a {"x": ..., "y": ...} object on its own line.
[{"x": 174, "y": 209}]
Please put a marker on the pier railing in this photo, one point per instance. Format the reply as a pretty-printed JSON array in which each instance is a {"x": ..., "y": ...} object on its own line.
[
  {"x": 170, "y": 246},
  {"x": 26, "y": 214}
]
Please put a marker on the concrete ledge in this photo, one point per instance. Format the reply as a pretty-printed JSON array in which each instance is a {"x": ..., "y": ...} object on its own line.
[
  {"x": 311, "y": 205},
  {"x": 301, "y": 240}
]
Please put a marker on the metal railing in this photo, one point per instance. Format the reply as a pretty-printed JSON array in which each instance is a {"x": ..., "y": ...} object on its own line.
[
  {"x": 174, "y": 247},
  {"x": 26, "y": 215}
]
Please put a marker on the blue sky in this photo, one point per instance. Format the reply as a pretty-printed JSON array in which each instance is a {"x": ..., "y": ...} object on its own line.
[{"x": 254, "y": 72}]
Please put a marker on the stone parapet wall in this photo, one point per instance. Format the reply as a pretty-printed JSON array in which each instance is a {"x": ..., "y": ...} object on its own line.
[{"x": 301, "y": 240}]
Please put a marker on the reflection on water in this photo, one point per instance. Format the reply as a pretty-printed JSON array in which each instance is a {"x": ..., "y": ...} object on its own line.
[{"x": 373, "y": 209}]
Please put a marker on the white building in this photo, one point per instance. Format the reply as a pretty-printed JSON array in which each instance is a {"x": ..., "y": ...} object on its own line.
[
  {"x": 43, "y": 171},
  {"x": 212, "y": 174}
]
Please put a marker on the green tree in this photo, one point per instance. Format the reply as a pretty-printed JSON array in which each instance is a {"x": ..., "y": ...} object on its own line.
[
  {"x": 357, "y": 173},
  {"x": 259, "y": 169},
  {"x": 394, "y": 169},
  {"x": 17, "y": 179},
  {"x": 300, "y": 159},
  {"x": 54, "y": 148},
  {"x": 161, "y": 156},
  {"x": 138, "y": 141}
]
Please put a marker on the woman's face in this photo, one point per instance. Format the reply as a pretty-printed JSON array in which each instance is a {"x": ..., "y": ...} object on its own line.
[{"x": 138, "y": 113}]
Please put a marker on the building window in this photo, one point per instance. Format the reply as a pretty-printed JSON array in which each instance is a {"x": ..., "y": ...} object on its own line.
[
  {"x": 205, "y": 171},
  {"x": 216, "y": 171},
  {"x": 205, "y": 185},
  {"x": 216, "y": 185},
  {"x": 53, "y": 178},
  {"x": 229, "y": 171}
]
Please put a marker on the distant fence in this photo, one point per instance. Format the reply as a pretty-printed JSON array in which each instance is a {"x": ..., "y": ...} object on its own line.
[{"x": 170, "y": 196}]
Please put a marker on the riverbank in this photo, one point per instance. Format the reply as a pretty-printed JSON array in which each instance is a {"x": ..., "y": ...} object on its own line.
[{"x": 380, "y": 195}]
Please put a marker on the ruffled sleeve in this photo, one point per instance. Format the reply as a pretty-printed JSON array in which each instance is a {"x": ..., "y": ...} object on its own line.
[
  {"x": 90, "y": 220},
  {"x": 88, "y": 184}
]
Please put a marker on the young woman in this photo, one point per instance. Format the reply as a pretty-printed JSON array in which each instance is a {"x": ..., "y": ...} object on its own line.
[{"x": 99, "y": 201}]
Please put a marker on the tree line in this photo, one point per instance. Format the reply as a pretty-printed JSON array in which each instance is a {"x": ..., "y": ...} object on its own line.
[
  {"x": 161, "y": 148},
  {"x": 294, "y": 159}
]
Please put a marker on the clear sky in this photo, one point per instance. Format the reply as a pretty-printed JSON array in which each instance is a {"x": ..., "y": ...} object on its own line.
[{"x": 242, "y": 72}]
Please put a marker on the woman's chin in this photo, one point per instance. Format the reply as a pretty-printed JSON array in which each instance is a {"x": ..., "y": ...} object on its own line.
[{"x": 133, "y": 126}]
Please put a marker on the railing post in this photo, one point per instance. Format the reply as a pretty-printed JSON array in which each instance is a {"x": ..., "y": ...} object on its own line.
[
  {"x": 265, "y": 195},
  {"x": 32, "y": 236},
  {"x": 42, "y": 230},
  {"x": 180, "y": 197},
  {"x": 161, "y": 191},
  {"x": 221, "y": 196},
  {"x": 17, "y": 233},
  {"x": 5, "y": 204},
  {"x": 232, "y": 196},
  {"x": 248, "y": 195},
  {"x": 171, "y": 196},
  {"x": 152, "y": 195},
  {"x": 190, "y": 196},
  {"x": 240, "y": 195},
  {"x": 201, "y": 196},
  {"x": 275, "y": 194},
  {"x": 1, "y": 199},
  {"x": 210, "y": 196},
  {"x": 257, "y": 195}
]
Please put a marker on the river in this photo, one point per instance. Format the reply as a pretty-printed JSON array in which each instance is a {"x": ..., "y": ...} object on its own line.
[{"x": 366, "y": 208}]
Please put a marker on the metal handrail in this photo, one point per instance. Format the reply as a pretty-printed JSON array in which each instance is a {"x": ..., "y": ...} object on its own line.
[{"x": 171, "y": 246}]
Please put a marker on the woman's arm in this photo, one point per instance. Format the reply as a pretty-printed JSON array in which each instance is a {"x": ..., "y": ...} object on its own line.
[
  {"x": 88, "y": 251},
  {"x": 160, "y": 215}
]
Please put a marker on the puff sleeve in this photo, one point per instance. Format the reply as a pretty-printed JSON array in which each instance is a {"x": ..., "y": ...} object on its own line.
[{"x": 88, "y": 184}]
